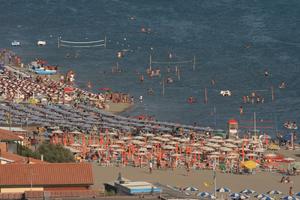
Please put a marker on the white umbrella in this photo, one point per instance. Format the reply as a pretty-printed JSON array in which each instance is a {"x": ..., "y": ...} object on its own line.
[{"x": 168, "y": 147}]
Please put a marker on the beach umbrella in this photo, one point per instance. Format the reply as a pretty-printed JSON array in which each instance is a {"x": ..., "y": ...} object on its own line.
[
  {"x": 297, "y": 194},
  {"x": 172, "y": 143},
  {"x": 270, "y": 155},
  {"x": 217, "y": 137},
  {"x": 248, "y": 191},
  {"x": 266, "y": 198},
  {"x": 138, "y": 138},
  {"x": 250, "y": 164},
  {"x": 114, "y": 146},
  {"x": 238, "y": 196},
  {"x": 272, "y": 192},
  {"x": 259, "y": 196},
  {"x": 207, "y": 149},
  {"x": 168, "y": 147},
  {"x": 229, "y": 140},
  {"x": 148, "y": 135},
  {"x": 251, "y": 154},
  {"x": 289, "y": 198},
  {"x": 288, "y": 159},
  {"x": 229, "y": 145},
  {"x": 259, "y": 150},
  {"x": 223, "y": 190},
  {"x": 225, "y": 149},
  {"x": 191, "y": 189},
  {"x": 204, "y": 195}
]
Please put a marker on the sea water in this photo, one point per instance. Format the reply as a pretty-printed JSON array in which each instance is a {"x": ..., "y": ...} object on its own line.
[{"x": 234, "y": 42}]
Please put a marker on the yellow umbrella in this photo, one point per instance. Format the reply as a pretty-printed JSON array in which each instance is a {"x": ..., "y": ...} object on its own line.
[{"x": 250, "y": 164}]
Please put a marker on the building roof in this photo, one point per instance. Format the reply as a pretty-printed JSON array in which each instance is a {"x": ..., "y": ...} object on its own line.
[
  {"x": 46, "y": 174},
  {"x": 15, "y": 158},
  {"x": 6, "y": 135}
]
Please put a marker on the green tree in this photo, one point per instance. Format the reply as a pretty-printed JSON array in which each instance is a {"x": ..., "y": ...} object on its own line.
[
  {"x": 55, "y": 153},
  {"x": 26, "y": 152}
]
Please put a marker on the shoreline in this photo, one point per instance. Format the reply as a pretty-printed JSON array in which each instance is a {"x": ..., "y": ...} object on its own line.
[
  {"x": 115, "y": 108},
  {"x": 118, "y": 108}
]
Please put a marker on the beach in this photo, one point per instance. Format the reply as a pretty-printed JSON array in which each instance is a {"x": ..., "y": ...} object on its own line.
[{"x": 261, "y": 182}]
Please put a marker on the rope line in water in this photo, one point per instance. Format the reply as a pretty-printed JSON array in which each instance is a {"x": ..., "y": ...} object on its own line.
[
  {"x": 174, "y": 62},
  {"x": 72, "y": 46},
  {"x": 77, "y": 42}
]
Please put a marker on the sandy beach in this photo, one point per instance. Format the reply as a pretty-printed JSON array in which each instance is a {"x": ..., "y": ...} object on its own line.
[{"x": 261, "y": 182}]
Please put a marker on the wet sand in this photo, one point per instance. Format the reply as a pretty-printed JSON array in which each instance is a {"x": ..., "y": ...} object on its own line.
[
  {"x": 118, "y": 107},
  {"x": 260, "y": 182}
]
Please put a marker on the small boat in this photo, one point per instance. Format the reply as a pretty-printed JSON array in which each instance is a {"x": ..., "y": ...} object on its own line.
[
  {"x": 225, "y": 93},
  {"x": 43, "y": 69},
  {"x": 290, "y": 125},
  {"x": 16, "y": 43},
  {"x": 41, "y": 43}
]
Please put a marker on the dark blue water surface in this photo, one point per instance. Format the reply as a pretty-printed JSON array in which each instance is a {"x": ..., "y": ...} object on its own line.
[{"x": 234, "y": 41}]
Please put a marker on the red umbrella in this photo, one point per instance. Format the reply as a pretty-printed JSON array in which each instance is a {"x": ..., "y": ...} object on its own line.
[{"x": 68, "y": 89}]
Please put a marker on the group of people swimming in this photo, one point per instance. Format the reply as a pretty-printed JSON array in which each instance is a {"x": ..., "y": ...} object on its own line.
[{"x": 253, "y": 98}]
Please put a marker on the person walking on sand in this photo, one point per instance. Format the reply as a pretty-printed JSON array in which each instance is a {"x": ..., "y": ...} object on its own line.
[
  {"x": 187, "y": 168},
  {"x": 291, "y": 191},
  {"x": 150, "y": 167}
]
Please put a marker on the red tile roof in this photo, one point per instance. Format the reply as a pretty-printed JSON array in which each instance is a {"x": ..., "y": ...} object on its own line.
[
  {"x": 46, "y": 174},
  {"x": 6, "y": 135},
  {"x": 64, "y": 193},
  {"x": 18, "y": 159}
]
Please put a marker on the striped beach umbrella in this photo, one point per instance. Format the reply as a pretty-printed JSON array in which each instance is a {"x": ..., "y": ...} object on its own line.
[
  {"x": 289, "y": 198},
  {"x": 248, "y": 191},
  {"x": 205, "y": 195},
  {"x": 223, "y": 190},
  {"x": 272, "y": 192}
]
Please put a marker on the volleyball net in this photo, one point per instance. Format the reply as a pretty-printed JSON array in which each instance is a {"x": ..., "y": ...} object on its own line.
[{"x": 81, "y": 44}]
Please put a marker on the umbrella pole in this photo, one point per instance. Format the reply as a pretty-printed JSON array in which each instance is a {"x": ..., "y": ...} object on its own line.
[{"x": 215, "y": 177}]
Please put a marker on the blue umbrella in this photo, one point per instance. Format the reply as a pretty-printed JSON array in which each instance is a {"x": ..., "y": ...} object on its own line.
[
  {"x": 234, "y": 195},
  {"x": 289, "y": 198},
  {"x": 274, "y": 192},
  {"x": 248, "y": 191},
  {"x": 192, "y": 189},
  {"x": 266, "y": 198},
  {"x": 222, "y": 190},
  {"x": 297, "y": 194},
  {"x": 238, "y": 196},
  {"x": 205, "y": 195}
]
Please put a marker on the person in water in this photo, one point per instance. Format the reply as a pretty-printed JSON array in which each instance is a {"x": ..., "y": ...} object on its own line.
[
  {"x": 266, "y": 73},
  {"x": 282, "y": 85}
]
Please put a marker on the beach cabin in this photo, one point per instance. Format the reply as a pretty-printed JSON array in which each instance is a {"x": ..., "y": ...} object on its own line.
[
  {"x": 126, "y": 187},
  {"x": 232, "y": 128}
]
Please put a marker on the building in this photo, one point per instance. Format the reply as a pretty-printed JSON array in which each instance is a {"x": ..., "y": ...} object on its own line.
[
  {"x": 18, "y": 178},
  {"x": 232, "y": 128},
  {"x": 9, "y": 141}
]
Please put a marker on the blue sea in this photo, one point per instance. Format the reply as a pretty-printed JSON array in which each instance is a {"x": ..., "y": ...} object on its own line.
[{"x": 234, "y": 42}]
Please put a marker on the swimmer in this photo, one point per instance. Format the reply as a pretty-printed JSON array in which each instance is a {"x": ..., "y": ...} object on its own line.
[
  {"x": 141, "y": 99},
  {"x": 282, "y": 85},
  {"x": 266, "y": 73}
]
